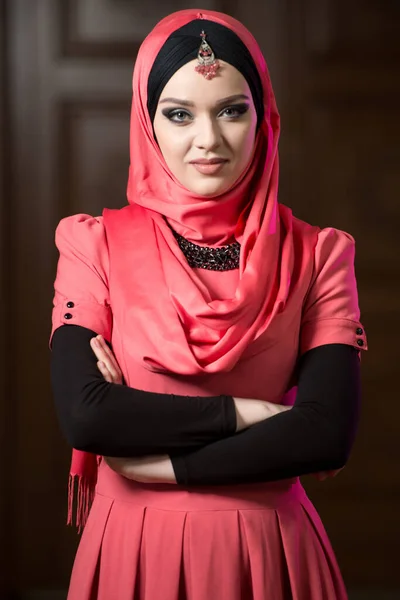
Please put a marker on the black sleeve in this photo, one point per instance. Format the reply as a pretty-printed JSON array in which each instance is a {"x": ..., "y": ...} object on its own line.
[
  {"x": 315, "y": 435},
  {"x": 115, "y": 420}
]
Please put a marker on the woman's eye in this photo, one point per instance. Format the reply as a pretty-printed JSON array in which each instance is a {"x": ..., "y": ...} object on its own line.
[
  {"x": 177, "y": 116},
  {"x": 181, "y": 116},
  {"x": 233, "y": 112}
]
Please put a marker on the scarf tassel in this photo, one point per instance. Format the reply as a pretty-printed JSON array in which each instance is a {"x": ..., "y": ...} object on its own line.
[{"x": 80, "y": 493}]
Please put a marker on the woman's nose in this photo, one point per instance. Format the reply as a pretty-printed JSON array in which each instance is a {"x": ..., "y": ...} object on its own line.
[{"x": 208, "y": 136}]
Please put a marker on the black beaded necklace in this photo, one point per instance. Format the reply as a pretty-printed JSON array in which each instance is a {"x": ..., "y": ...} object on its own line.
[{"x": 224, "y": 258}]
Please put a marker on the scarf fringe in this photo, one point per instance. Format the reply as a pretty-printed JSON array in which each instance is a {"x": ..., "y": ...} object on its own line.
[{"x": 81, "y": 493}]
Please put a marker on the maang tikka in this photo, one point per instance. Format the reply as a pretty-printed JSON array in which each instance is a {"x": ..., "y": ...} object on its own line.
[{"x": 208, "y": 64}]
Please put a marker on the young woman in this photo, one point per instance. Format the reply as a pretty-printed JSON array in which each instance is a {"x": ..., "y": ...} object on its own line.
[{"x": 205, "y": 346}]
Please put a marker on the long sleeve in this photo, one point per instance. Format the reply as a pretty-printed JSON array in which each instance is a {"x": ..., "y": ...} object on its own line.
[
  {"x": 315, "y": 435},
  {"x": 318, "y": 432},
  {"x": 115, "y": 420}
]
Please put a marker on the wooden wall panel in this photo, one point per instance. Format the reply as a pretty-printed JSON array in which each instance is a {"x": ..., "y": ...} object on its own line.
[
  {"x": 93, "y": 155},
  {"x": 357, "y": 31},
  {"x": 7, "y": 421},
  {"x": 343, "y": 165},
  {"x": 359, "y": 157},
  {"x": 104, "y": 29}
]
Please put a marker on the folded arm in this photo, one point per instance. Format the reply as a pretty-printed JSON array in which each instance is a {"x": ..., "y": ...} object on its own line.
[
  {"x": 315, "y": 435},
  {"x": 116, "y": 420}
]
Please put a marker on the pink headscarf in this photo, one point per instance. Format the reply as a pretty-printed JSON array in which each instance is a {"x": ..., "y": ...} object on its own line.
[
  {"x": 173, "y": 323},
  {"x": 189, "y": 332}
]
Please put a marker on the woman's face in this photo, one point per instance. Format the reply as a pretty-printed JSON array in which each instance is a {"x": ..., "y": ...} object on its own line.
[{"x": 206, "y": 128}]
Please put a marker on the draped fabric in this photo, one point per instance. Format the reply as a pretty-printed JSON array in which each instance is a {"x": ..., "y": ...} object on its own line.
[{"x": 178, "y": 328}]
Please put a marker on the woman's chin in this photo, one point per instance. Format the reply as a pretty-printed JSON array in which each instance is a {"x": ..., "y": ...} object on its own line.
[{"x": 210, "y": 186}]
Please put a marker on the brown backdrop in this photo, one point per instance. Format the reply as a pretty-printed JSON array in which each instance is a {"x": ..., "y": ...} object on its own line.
[{"x": 65, "y": 76}]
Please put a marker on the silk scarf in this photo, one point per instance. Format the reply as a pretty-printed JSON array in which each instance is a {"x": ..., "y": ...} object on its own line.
[{"x": 190, "y": 333}]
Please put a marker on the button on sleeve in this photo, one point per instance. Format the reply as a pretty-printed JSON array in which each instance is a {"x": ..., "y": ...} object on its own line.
[
  {"x": 81, "y": 287},
  {"x": 331, "y": 313}
]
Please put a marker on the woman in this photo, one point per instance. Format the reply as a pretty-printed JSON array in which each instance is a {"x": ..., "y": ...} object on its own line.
[{"x": 222, "y": 311}]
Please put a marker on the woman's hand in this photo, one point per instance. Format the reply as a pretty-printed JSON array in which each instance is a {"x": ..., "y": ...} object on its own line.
[
  {"x": 149, "y": 469},
  {"x": 106, "y": 361}
]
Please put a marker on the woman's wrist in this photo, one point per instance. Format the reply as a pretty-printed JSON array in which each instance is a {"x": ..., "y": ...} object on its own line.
[
  {"x": 147, "y": 469},
  {"x": 250, "y": 412}
]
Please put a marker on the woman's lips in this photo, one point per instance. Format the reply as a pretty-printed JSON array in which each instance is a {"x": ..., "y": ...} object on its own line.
[{"x": 210, "y": 167}]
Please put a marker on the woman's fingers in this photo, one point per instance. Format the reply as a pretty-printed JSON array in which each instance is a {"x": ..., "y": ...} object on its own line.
[
  {"x": 101, "y": 349},
  {"x": 107, "y": 351},
  {"x": 105, "y": 356},
  {"x": 100, "y": 354},
  {"x": 104, "y": 371}
]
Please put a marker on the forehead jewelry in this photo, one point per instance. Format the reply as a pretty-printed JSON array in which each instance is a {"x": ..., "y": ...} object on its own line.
[{"x": 208, "y": 65}]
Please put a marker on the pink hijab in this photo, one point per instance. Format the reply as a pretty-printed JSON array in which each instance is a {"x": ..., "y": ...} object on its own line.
[{"x": 191, "y": 333}]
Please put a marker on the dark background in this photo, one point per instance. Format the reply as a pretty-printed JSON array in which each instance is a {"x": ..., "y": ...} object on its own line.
[{"x": 65, "y": 81}]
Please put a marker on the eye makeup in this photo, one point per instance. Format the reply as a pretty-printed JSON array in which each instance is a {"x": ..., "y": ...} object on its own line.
[
  {"x": 181, "y": 115},
  {"x": 173, "y": 114}
]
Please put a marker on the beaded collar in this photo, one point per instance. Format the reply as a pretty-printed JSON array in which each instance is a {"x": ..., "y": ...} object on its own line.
[{"x": 224, "y": 258}]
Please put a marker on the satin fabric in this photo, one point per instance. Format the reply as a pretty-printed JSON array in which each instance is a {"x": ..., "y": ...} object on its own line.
[
  {"x": 178, "y": 327},
  {"x": 173, "y": 323},
  {"x": 261, "y": 542}
]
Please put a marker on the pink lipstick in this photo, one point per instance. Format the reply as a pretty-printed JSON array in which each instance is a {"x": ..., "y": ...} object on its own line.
[{"x": 210, "y": 166}]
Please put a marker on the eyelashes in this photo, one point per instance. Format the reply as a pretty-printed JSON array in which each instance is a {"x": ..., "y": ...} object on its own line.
[
  {"x": 183, "y": 116},
  {"x": 177, "y": 115},
  {"x": 238, "y": 110}
]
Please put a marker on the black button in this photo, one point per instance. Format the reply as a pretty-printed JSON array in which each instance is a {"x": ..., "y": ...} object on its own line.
[
  {"x": 360, "y": 342},
  {"x": 70, "y": 305},
  {"x": 67, "y": 316},
  {"x": 359, "y": 331}
]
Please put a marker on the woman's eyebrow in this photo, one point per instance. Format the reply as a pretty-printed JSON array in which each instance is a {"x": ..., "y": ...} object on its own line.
[{"x": 181, "y": 102}]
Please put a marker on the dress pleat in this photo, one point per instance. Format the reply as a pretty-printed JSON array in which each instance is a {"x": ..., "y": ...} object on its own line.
[
  {"x": 331, "y": 576},
  {"x": 267, "y": 561},
  {"x": 120, "y": 552},
  {"x": 84, "y": 578},
  {"x": 214, "y": 561},
  {"x": 161, "y": 555},
  {"x": 313, "y": 571},
  {"x": 261, "y": 543}
]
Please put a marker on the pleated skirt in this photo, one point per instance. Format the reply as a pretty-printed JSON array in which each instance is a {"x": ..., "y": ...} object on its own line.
[{"x": 164, "y": 542}]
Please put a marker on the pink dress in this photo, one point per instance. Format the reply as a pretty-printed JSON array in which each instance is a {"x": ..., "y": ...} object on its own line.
[{"x": 240, "y": 542}]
